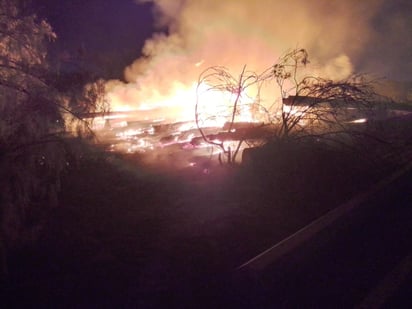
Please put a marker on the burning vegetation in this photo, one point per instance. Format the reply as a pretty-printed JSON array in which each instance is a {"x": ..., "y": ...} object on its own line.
[
  {"x": 191, "y": 102},
  {"x": 191, "y": 90},
  {"x": 233, "y": 113}
]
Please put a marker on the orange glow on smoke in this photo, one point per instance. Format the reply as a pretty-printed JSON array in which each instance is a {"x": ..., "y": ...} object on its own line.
[
  {"x": 161, "y": 87},
  {"x": 178, "y": 104}
]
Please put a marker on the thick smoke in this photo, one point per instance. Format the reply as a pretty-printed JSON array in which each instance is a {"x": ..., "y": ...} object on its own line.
[
  {"x": 238, "y": 32},
  {"x": 389, "y": 52},
  {"x": 234, "y": 33}
]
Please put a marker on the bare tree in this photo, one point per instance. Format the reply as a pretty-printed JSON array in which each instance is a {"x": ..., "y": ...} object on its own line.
[
  {"x": 315, "y": 105},
  {"x": 229, "y": 108},
  {"x": 305, "y": 105}
]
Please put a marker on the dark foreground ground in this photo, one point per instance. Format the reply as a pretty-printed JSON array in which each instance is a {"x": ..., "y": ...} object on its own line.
[
  {"x": 126, "y": 236},
  {"x": 364, "y": 260}
]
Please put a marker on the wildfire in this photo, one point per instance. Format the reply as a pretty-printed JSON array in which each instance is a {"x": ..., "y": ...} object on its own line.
[
  {"x": 179, "y": 104},
  {"x": 162, "y": 104},
  {"x": 166, "y": 122}
]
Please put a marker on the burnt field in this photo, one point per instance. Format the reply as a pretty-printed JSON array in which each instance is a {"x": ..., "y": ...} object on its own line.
[{"x": 132, "y": 235}]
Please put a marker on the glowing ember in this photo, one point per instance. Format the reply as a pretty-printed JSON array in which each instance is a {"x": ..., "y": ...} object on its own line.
[
  {"x": 360, "y": 120},
  {"x": 162, "y": 88}
]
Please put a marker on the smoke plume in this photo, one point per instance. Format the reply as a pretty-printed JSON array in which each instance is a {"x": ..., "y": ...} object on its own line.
[{"x": 234, "y": 33}]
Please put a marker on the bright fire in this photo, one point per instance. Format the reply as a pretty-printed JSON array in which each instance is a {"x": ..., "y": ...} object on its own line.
[
  {"x": 165, "y": 121},
  {"x": 155, "y": 107}
]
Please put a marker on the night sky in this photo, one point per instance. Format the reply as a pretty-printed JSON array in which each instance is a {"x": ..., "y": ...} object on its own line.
[{"x": 108, "y": 34}]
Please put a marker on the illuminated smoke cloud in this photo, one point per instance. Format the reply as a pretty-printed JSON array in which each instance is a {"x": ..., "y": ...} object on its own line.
[{"x": 234, "y": 33}]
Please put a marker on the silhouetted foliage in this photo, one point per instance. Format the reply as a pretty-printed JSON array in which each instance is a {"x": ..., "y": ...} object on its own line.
[
  {"x": 297, "y": 104},
  {"x": 37, "y": 120}
]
